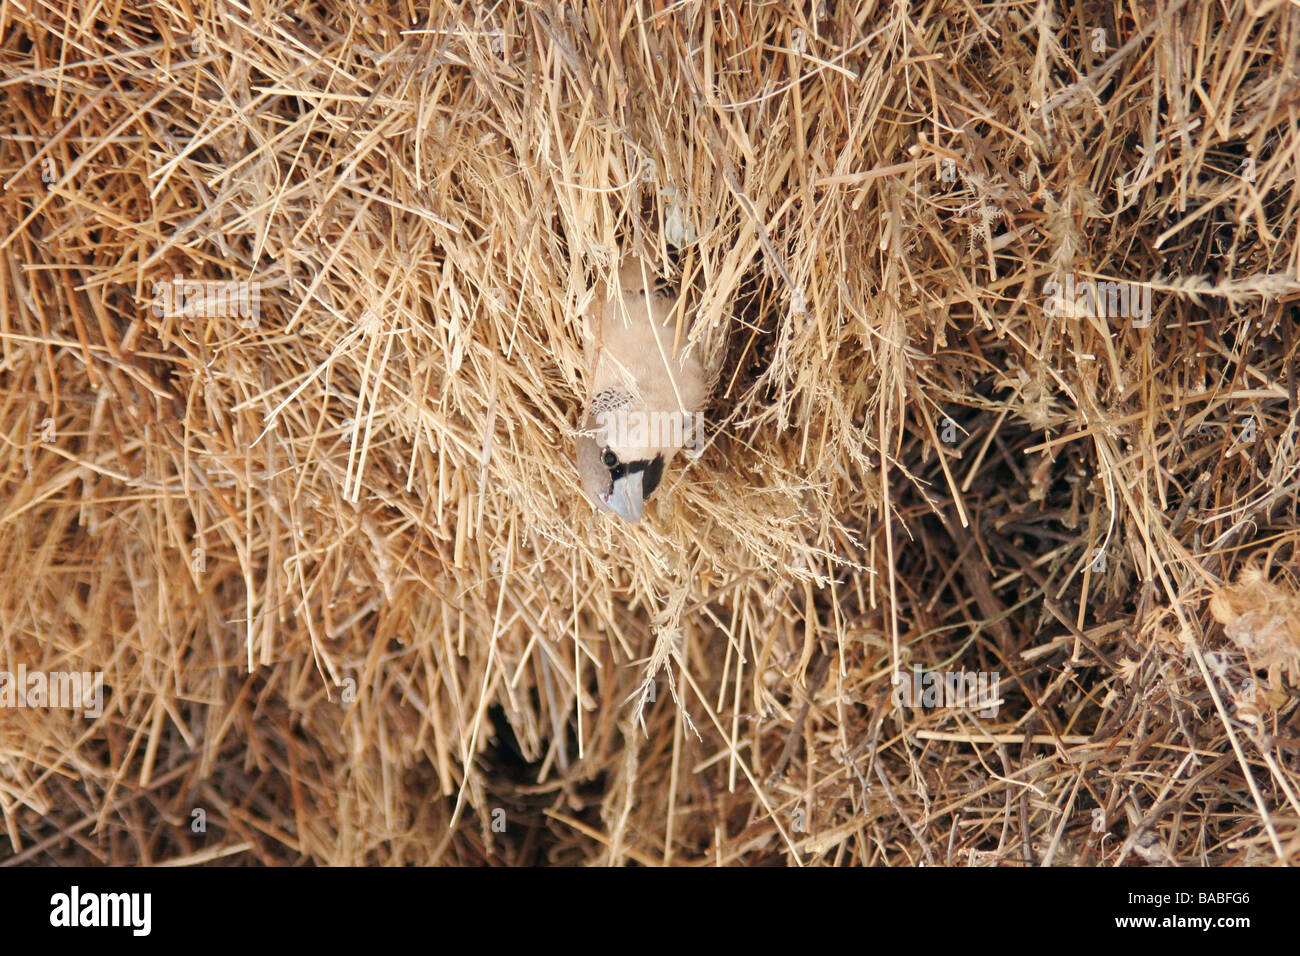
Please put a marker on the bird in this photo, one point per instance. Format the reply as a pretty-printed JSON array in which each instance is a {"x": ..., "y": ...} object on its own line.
[{"x": 644, "y": 402}]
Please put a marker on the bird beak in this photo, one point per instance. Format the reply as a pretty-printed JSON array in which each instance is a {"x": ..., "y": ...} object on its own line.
[{"x": 625, "y": 499}]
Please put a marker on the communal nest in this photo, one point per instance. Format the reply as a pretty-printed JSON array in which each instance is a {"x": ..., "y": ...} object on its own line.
[{"x": 1010, "y": 297}]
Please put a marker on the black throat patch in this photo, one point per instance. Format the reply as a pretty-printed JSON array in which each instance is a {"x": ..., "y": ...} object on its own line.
[{"x": 653, "y": 473}]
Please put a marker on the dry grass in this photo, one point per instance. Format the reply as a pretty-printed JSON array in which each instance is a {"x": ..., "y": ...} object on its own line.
[{"x": 335, "y": 566}]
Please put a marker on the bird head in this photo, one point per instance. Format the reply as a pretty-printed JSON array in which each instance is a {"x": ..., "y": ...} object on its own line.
[{"x": 618, "y": 472}]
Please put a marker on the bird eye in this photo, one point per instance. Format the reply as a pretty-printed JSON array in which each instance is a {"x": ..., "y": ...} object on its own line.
[{"x": 609, "y": 458}]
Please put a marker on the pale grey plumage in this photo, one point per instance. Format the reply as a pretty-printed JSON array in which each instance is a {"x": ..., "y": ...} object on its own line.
[{"x": 644, "y": 398}]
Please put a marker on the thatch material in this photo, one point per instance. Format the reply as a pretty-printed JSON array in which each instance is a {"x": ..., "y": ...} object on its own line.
[{"x": 334, "y": 564}]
